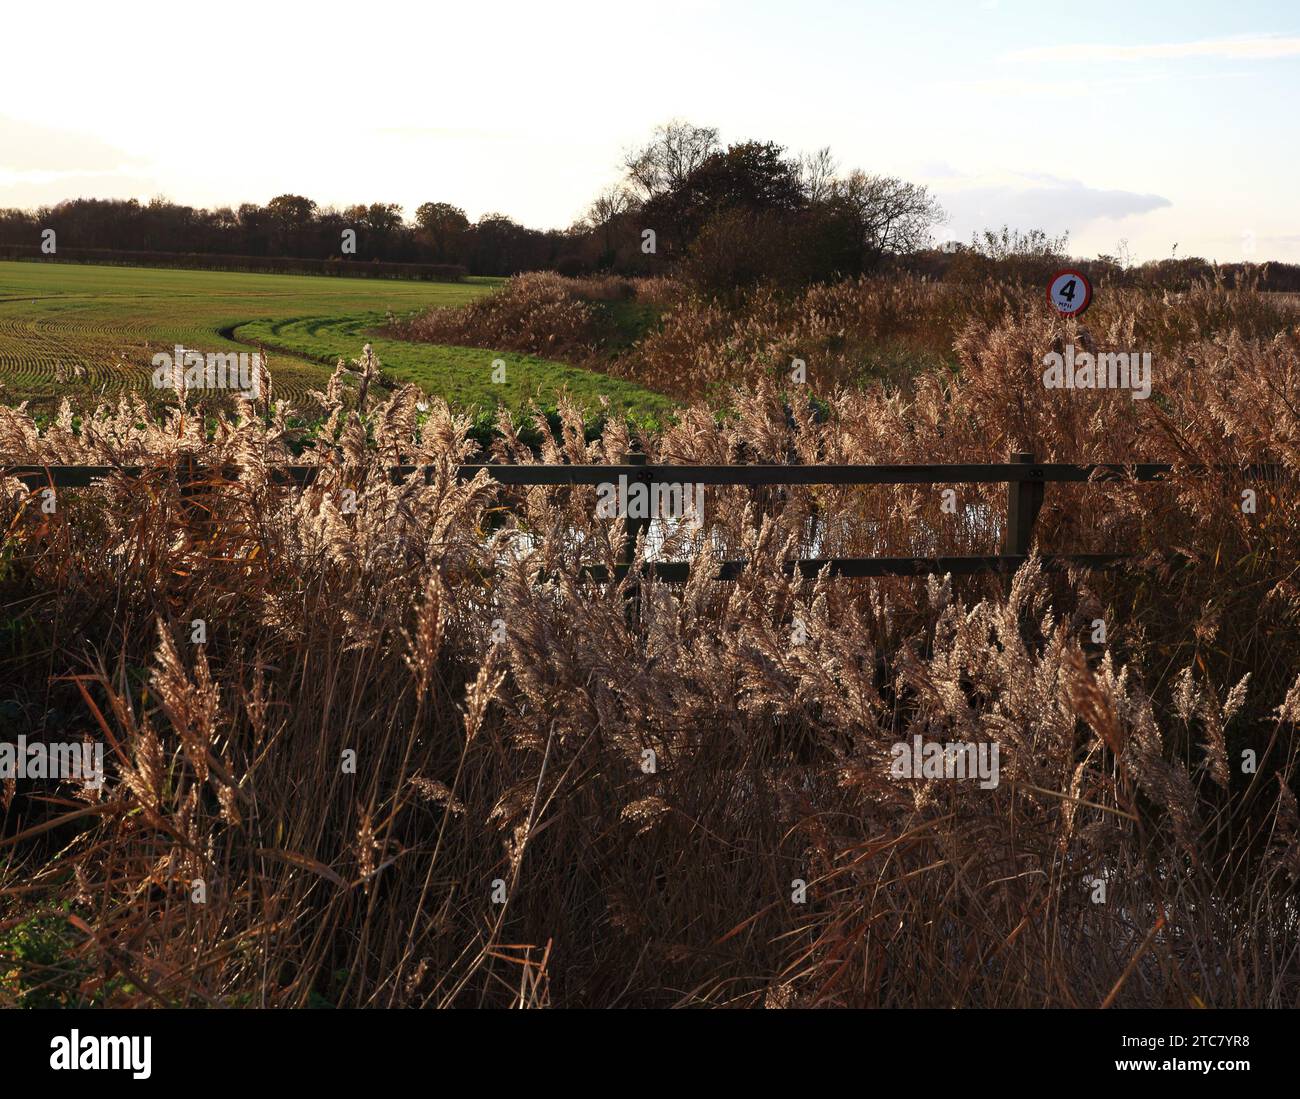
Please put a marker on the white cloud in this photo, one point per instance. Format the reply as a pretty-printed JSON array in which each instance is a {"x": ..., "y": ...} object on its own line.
[
  {"x": 1060, "y": 205},
  {"x": 1258, "y": 47}
]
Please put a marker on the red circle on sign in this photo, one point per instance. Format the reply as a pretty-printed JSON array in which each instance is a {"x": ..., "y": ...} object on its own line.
[{"x": 1087, "y": 292}]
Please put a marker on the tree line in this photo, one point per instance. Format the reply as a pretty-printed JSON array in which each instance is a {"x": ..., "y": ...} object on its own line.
[
  {"x": 724, "y": 217},
  {"x": 287, "y": 227},
  {"x": 728, "y": 215}
]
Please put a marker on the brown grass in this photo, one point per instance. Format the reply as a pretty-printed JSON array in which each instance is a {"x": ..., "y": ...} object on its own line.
[
  {"x": 846, "y": 333},
  {"x": 520, "y": 761}
]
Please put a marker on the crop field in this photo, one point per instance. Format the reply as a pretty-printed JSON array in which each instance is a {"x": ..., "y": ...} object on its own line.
[
  {"x": 69, "y": 329},
  {"x": 461, "y": 375}
]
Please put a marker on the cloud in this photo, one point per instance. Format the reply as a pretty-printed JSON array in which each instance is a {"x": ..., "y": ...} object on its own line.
[
  {"x": 1056, "y": 206},
  {"x": 939, "y": 169},
  {"x": 27, "y": 147},
  {"x": 1258, "y": 47},
  {"x": 1057, "y": 85}
]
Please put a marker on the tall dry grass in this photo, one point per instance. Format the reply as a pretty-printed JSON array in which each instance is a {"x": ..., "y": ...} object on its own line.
[
  {"x": 848, "y": 333},
  {"x": 500, "y": 707},
  {"x": 539, "y": 314}
]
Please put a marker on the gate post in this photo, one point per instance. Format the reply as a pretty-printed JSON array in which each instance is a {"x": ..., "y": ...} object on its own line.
[{"x": 1024, "y": 499}]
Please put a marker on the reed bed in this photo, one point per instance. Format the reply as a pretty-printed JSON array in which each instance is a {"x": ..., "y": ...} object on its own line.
[{"x": 419, "y": 760}]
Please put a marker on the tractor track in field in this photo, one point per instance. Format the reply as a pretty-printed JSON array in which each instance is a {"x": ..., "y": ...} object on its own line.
[
  {"x": 86, "y": 332},
  {"x": 229, "y": 332},
  {"x": 49, "y": 358},
  {"x": 296, "y": 388}
]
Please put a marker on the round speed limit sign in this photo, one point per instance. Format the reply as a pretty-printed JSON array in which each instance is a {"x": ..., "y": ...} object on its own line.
[{"x": 1069, "y": 292}]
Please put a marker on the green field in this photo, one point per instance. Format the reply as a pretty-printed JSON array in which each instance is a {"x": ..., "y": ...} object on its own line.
[
  {"x": 463, "y": 375},
  {"x": 110, "y": 321}
]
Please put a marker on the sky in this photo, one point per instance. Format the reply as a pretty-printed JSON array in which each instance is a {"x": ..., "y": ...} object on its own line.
[{"x": 1168, "y": 126}]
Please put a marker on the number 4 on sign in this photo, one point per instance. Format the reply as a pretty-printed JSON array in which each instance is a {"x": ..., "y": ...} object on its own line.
[{"x": 1069, "y": 292}]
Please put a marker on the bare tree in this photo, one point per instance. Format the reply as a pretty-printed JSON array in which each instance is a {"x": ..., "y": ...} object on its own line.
[
  {"x": 894, "y": 216},
  {"x": 606, "y": 208},
  {"x": 817, "y": 174},
  {"x": 609, "y": 204},
  {"x": 677, "y": 149}
]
